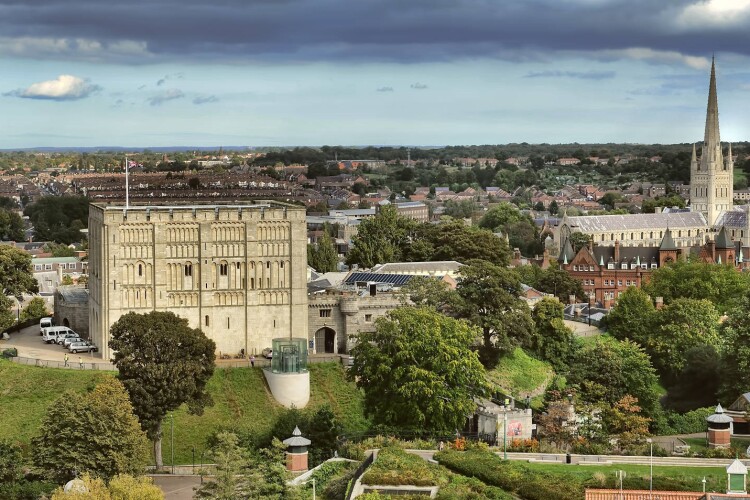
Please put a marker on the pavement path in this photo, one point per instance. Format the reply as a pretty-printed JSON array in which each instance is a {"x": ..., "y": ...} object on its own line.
[
  {"x": 177, "y": 487},
  {"x": 29, "y": 344}
]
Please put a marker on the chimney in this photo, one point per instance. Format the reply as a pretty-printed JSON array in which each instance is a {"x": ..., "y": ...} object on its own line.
[
  {"x": 617, "y": 252},
  {"x": 711, "y": 248},
  {"x": 659, "y": 302}
]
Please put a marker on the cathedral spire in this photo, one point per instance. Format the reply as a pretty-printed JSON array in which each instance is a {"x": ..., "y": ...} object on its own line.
[{"x": 712, "y": 140}]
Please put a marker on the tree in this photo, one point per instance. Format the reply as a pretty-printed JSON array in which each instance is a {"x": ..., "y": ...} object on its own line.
[
  {"x": 11, "y": 225},
  {"x": 163, "y": 363},
  {"x": 231, "y": 460},
  {"x": 559, "y": 283},
  {"x": 427, "y": 291},
  {"x": 380, "y": 239},
  {"x": 697, "y": 384},
  {"x": 16, "y": 276},
  {"x": 59, "y": 250},
  {"x": 578, "y": 241},
  {"x": 457, "y": 241},
  {"x": 735, "y": 332},
  {"x": 460, "y": 209},
  {"x": 36, "y": 308},
  {"x": 94, "y": 432},
  {"x": 322, "y": 256},
  {"x": 553, "y": 341},
  {"x": 59, "y": 218},
  {"x": 432, "y": 376},
  {"x": 553, "y": 207},
  {"x": 682, "y": 325},
  {"x": 632, "y": 317},
  {"x": 606, "y": 370},
  {"x": 624, "y": 420},
  {"x": 521, "y": 230},
  {"x": 489, "y": 297},
  {"x": 719, "y": 283}
]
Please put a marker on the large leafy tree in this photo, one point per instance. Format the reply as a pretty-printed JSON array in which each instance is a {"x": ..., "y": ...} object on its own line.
[
  {"x": 698, "y": 383},
  {"x": 719, "y": 283},
  {"x": 632, "y": 317},
  {"x": 417, "y": 370},
  {"x": 59, "y": 218},
  {"x": 553, "y": 341},
  {"x": 163, "y": 364},
  {"x": 551, "y": 280},
  {"x": 521, "y": 230},
  {"x": 489, "y": 297},
  {"x": 380, "y": 239},
  {"x": 456, "y": 241},
  {"x": 682, "y": 325},
  {"x": 321, "y": 256},
  {"x": 607, "y": 369},
  {"x": 95, "y": 432},
  {"x": 11, "y": 225},
  {"x": 735, "y": 332},
  {"x": 16, "y": 276},
  {"x": 36, "y": 308}
]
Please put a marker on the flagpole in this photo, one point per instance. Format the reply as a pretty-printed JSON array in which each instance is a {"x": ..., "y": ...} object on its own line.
[{"x": 127, "y": 186}]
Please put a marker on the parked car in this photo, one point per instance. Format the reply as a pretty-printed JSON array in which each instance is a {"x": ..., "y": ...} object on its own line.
[
  {"x": 44, "y": 323},
  {"x": 54, "y": 333},
  {"x": 83, "y": 346},
  {"x": 71, "y": 340},
  {"x": 61, "y": 338},
  {"x": 267, "y": 353}
]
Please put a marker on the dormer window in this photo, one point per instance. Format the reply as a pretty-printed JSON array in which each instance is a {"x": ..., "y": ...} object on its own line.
[
  {"x": 633, "y": 266},
  {"x": 645, "y": 266},
  {"x": 624, "y": 265},
  {"x": 653, "y": 265},
  {"x": 611, "y": 265},
  {"x": 575, "y": 268}
]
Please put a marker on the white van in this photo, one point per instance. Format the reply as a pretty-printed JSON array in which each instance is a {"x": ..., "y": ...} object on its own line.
[
  {"x": 52, "y": 333},
  {"x": 44, "y": 323}
]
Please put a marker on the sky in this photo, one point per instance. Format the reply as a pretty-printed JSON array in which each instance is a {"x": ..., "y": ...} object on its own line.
[{"x": 147, "y": 73}]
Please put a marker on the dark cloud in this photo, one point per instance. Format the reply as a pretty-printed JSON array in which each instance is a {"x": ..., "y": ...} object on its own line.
[
  {"x": 384, "y": 89},
  {"x": 418, "y": 86},
  {"x": 583, "y": 75},
  {"x": 205, "y": 99},
  {"x": 167, "y": 95},
  {"x": 334, "y": 30}
]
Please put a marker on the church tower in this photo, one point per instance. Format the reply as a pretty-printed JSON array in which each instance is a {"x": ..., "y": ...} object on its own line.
[{"x": 711, "y": 178}]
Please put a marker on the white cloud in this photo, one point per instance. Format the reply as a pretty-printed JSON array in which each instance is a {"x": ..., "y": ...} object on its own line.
[
  {"x": 84, "y": 49},
  {"x": 64, "y": 88},
  {"x": 656, "y": 56},
  {"x": 720, "y": 13}
]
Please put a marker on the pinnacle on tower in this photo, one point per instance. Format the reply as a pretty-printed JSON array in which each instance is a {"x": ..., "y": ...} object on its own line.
[{"x": 712, "y": 138}]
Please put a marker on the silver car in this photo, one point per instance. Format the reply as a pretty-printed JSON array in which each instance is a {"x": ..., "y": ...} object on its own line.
[
  {"x": 63, "y": 338},
  {"x": 71, "y": 340},
  {"x": 82, "y": 346}
]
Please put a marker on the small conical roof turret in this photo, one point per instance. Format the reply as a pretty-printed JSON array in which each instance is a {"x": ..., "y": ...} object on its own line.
[
  {"x": 667, "y": 242},
  {"x": 723, "y": 241},
  {"x": 567, "y": 253}
]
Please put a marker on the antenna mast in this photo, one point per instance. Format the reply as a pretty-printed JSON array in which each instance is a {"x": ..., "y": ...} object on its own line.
[{"x": 127, "y": 184}]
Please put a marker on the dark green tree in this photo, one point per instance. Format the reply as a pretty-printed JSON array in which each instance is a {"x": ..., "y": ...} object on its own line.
[
  {"x": 459, "y": 242},
  {"x": 489, "y": 297},
  {"x": 432, "y": 377},
  {"x": 11, "y": 226},
  {"x": 607, "y": 369},
  {"x": 163, "y": 364},
  {"x": 16, "y": 277},
  {"x": 95, "y": 432},
  {"x": 633, "y": 316},
  {"x": 59, "y": 218},
  {"x": 380, "y": 239},
  {"x": 578, "y": 241},
  {"x": 718, "y": 283},
  {"x": 735, "y": 352},
  {"x": 681, "y": 325},
  {"x": 553, "y": 340},
  {"x": 697, "y": 384},
  {"x": 36, "y": 308},
  {"x": 322, "y": 256},
  {"x": 559, "y": 283}
]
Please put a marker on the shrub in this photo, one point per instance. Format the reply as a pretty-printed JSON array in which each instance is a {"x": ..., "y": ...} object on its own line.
[
  {"x": 10, "y": 353},
  {"x": 394, "y": 466}
]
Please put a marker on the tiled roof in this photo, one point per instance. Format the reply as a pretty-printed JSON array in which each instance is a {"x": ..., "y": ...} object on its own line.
[
  {"x": 733, "y": 219},
  {"x": 603, "y": 223}
]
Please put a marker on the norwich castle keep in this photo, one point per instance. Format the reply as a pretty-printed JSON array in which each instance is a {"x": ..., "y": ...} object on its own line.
[{"x": 236, "y": 271}]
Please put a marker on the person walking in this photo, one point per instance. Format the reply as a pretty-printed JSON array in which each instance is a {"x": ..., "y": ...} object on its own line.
[
  {"x": 80, "y": 362},
  {"x": 66, "y": 360},
  {"x": 252, "y": 361}
]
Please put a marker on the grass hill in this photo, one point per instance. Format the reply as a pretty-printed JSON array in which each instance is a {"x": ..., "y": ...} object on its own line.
[
  {"x": 518, "y": 374},
  {"x": 243, "y": 403}
]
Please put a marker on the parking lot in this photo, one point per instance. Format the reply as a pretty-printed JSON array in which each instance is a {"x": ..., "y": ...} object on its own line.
[{"x": 30, "y": 345}]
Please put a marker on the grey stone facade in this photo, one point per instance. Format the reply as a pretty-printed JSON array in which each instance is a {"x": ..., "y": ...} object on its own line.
[
  {"x": 335, "y": 318},
  {"x": 71, "y": 308},
  {"x": 236, "y": 271}
]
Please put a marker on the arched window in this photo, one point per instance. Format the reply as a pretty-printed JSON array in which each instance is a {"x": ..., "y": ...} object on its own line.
[
  {"x": 188, "y": 269},
  {"x": 140, "y": 269},
  {"x": 223, "y": 268},
  {"x": 206, "y": 319}
]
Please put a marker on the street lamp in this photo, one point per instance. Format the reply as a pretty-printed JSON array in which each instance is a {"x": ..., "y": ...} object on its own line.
[
  {"x": 651, "y": 463},
  {"x": 505, "y": 431},
  {"x": 171, "y": 446}
]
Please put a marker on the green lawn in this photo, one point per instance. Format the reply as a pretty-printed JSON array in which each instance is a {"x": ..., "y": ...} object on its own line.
[
  {"x": 699, "y": 444},
  {"x": 739, "y": 175},
  {"x": 715, "y": 476},
  {"x": 242, "y": 404},
  {"x": 520, "y": 374}
]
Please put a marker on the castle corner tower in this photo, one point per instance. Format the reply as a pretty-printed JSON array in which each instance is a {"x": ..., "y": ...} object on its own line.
[{"x": 712, "y": 177}]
